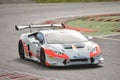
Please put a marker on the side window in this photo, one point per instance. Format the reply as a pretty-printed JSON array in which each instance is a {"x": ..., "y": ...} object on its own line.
[{"x": 40, "y": 37}]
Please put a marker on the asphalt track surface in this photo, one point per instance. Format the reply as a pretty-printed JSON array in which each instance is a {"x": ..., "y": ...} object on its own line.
[
  {"x": 11, "y": 14},
  {"x": 16, "y": 2}
]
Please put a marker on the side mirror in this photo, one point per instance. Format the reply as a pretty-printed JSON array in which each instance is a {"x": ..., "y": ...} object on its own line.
[{"x": 89, "y": 37}]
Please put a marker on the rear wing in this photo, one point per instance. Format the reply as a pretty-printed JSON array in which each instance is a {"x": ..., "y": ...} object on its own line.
[{"x": 52, "y": 26}]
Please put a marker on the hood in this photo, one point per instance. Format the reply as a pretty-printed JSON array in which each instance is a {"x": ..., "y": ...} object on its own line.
[{"x": 75, "y": 50}]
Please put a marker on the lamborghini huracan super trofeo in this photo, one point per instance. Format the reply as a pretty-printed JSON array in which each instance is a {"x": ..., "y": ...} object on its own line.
[{"x": 57, "y": 47}]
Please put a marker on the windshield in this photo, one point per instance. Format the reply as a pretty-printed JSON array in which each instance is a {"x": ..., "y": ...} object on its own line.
[{"x": 65, "y": 38}]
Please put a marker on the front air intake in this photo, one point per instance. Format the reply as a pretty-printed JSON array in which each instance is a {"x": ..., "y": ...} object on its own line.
[{"x": 92, "y": 60}]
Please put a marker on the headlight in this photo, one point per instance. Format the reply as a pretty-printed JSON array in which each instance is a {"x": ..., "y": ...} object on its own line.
[
  {"x": 96, "y": 51},
  {"x": 59, "y": 52}
]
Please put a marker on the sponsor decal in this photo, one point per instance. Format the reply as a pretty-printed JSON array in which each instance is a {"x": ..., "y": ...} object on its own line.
[
  {"x": 50, "y": 56},
  {"x": 75, "y": 57},
  {"x": 79, "y": 57}
]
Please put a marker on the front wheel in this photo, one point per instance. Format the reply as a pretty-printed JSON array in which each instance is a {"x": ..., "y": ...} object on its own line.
[
  {"x": 42, "y": 57},
  {"x": 21, "y": 50}
]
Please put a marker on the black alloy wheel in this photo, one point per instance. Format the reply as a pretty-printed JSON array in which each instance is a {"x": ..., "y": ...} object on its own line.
[
  {"x": 21, "y": 50},
  {"x": 42, "y": 57}
]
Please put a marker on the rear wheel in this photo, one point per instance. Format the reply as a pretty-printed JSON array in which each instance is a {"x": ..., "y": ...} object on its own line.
[
  {"x": 21, "y": 50},
  {"x": 42, "y": 57}
]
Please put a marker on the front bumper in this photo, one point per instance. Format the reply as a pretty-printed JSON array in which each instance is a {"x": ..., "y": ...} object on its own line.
[{"x": 53, "y": 61}]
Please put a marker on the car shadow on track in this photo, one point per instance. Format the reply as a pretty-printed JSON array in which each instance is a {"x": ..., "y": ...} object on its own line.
[
  {"x": 76, "y": 67},
  {"x": 38, "y": 66},
  {"x": 28, "y": 62}
]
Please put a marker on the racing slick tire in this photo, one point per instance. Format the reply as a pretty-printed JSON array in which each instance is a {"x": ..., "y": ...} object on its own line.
[
  {"x": 42, "y": 58},
  {"x": 21, "y": 50}
]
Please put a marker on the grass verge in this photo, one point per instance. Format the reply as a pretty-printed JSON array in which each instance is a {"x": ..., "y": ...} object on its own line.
[
  {"x": 58, "y": 1},
  {"x": 103, "y": 28}
]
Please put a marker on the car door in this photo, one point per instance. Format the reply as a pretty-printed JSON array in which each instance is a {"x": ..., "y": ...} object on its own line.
[{"x": 33, "y": 46}]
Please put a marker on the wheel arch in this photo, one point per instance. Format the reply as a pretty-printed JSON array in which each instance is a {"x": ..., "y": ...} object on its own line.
[{"x": 21, "y": 49}]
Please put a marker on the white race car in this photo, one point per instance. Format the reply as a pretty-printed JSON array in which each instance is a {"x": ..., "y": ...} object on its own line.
[{"x": 57, "y": 47}]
